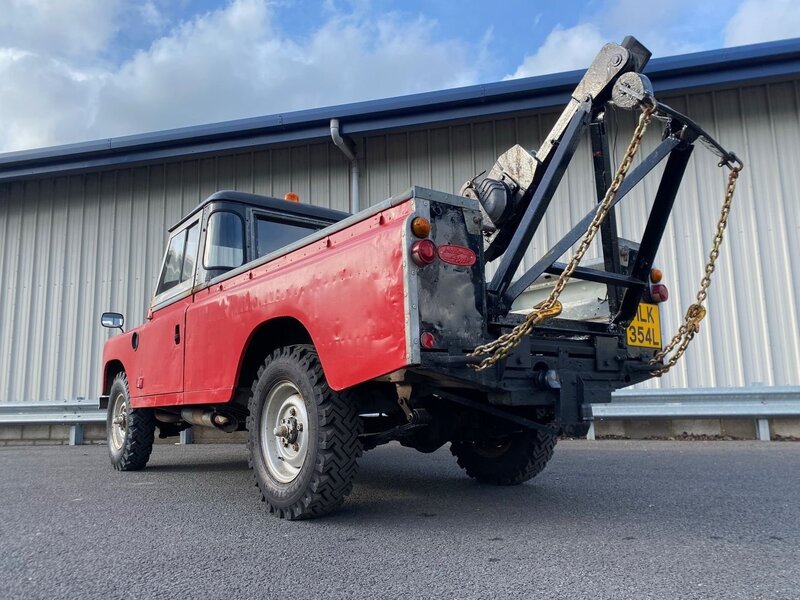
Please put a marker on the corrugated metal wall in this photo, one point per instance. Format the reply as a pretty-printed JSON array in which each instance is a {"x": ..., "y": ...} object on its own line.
[{"x": 75, "y": 246}]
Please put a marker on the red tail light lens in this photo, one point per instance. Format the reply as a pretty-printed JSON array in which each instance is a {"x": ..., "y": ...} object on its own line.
[
  {"x": 428, "y": 340},
  {"x": 659, "y": 293},
  {"x": 423, "y": 252}
]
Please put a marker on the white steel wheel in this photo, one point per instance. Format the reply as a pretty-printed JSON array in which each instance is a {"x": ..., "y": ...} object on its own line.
[
  {"x": 119, "y": 419},
  {"x": 284, "y": 431}
]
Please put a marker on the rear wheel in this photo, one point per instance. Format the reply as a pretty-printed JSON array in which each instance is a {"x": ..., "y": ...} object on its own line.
[
  {"x": 507, "y": 460},
  {"x": 130, "y": 431},
  {"x": 303, "y": 436}
]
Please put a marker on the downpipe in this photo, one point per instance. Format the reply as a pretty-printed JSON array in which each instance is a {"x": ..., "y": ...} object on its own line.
[{"x": 347, "y": 147}]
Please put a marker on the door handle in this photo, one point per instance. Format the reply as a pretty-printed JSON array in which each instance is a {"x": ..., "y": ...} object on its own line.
[{"x": 177, "y": 334}]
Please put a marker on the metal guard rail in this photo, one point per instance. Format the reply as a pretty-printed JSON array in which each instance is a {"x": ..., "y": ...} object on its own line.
[
  {"x": 757, "y": 402},
  {"x": 75, "y": 413}
]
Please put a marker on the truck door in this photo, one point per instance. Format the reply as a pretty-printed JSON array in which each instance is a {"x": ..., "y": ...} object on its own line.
[
  {"x": 212, "y": 353},
  {"x": 161, "y": 343}
]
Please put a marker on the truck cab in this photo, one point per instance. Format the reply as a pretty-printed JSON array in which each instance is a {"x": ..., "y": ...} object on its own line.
[{"x": 224, "y": 233}]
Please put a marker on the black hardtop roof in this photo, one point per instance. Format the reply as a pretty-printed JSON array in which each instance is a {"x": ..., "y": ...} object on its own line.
[{"x": 291, "y": 209}]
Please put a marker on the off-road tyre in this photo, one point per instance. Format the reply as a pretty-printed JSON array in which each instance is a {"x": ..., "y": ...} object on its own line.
[
  {"x": 132, "y": 451},
  {"x": 332, "y": 444},
  {"x": 511, "y": 461}
]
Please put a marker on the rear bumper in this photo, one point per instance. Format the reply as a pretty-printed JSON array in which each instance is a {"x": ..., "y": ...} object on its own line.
[{"x": 554, "y": 367}]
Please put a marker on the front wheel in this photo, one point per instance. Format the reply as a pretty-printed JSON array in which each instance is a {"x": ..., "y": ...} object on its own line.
[
  {"x": 302, "y": 436},
  {"x": 130, "y": 431},
  {"x": 508, "y": 460}
]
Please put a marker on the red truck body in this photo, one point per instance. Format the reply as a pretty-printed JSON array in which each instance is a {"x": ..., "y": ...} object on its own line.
[{"x": 346, "y": 289}]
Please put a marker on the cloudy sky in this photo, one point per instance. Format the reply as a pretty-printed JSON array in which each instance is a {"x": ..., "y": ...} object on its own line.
[{"x": 73, "y": 70}]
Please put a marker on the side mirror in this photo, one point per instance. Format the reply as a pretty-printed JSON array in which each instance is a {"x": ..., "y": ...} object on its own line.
[{"x": 112, "y": 320}]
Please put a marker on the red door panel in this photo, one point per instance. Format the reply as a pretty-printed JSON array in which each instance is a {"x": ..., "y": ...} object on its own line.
[{"x": 159, "y": 368}]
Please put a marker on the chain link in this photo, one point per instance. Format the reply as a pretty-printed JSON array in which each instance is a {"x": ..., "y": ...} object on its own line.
[
  {"x": 500, "y": 348},
  {"x": 697, "y": 311}
]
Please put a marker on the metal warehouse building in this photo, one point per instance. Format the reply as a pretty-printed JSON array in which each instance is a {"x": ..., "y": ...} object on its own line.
[{"x": 83, "y": 226}]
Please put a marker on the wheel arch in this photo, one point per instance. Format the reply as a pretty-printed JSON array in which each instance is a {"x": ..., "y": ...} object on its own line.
[
  {"x": 112, "y": 368},
  {"x": 266, "y": 338}
]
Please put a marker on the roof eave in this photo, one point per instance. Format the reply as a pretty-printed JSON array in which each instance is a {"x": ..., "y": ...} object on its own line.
[{"x": 710, "y": 69}]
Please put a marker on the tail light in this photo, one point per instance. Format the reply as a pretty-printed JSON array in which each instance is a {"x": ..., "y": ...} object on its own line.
[
  {"x": 423, "y": 252},
  {"x": 659, "y": 293},
  {"x": 427, "y": 340}
]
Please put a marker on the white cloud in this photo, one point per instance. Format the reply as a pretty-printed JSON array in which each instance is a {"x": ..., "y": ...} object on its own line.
[
  {"x": 226, "y": 64},
  {"x": 763, "y": 20},
  {"x": 42, "y": 100},
  {"x": 58, "y": 28},
  {"x": 563, "y": 50},
  {"x": 151, "y": 14}
]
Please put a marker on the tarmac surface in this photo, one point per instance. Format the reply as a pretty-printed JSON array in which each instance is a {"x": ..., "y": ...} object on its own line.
[{"x": 609, "y": 519}]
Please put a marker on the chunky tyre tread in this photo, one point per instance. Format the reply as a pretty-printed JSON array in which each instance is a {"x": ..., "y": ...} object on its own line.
[
  {"x": 527, "y": 456},
  {"x": 139, "y": 434},
  {"x": 336, "y": 462}
]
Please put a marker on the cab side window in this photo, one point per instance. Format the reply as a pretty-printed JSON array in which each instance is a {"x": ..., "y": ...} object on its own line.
[
  {"x": 224, "y": 242},
  {"x": 273, "y": 235},
  {"x": 180, "y": 260}
]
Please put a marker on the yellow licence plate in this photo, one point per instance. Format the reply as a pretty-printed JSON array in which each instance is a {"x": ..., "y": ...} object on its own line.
[{"x": 645, "y": 329}]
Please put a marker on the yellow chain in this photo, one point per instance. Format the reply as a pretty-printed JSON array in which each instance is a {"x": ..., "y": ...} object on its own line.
[
  {"x": 550, "y": 308},
  {"x": 696, "y": 312}
]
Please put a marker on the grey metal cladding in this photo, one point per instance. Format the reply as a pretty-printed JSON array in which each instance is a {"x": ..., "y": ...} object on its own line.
[{"x": 74, "y": 246}]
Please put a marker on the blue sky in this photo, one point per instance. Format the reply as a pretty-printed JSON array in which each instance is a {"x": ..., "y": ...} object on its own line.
[{"x": 72, "y": 70}]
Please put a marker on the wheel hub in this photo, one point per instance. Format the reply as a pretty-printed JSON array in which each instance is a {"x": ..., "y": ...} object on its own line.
[{"x": 288, "y": 430}]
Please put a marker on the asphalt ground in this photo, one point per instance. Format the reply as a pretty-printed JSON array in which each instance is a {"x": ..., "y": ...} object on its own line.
[{"x": 610, "y": 519}]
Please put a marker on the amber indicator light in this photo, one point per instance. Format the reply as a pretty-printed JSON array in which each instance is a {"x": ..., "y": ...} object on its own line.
[{"x": 421, "y": 227}]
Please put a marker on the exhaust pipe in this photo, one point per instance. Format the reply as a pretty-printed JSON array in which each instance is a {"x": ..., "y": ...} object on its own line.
[
  {"x": 209, "y": 418},
  {"x": 167, "y": 417}
]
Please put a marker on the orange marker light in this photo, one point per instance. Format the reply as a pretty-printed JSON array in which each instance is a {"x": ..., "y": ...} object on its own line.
[
  {"x": 656, "y": 275},
  {"x": 421, "y": 227},
  {"x": 291, "y": 197}
]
